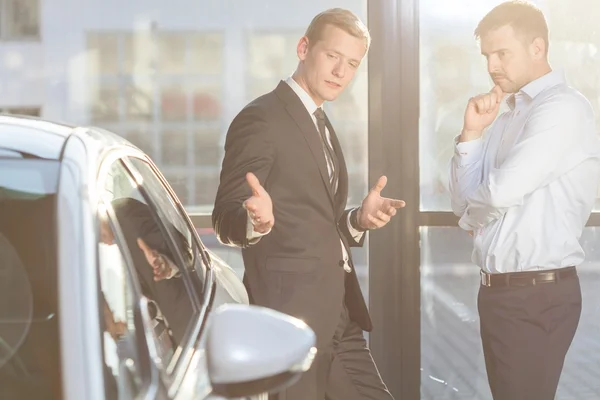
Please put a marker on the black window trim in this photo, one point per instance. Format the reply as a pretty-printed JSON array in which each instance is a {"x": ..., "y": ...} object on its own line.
[
  {"x": 174, "y": 373},
  {"x": 148, "y": 373},
  {"x": 174, "y": 379}
]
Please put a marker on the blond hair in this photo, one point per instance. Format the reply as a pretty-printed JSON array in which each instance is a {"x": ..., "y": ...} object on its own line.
[{"x": 340, "y": 18}]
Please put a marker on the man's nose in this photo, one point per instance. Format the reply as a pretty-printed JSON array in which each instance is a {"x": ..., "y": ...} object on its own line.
[
  {"x": 493, "y": 67},
  {"x": 339, "y": 71}
]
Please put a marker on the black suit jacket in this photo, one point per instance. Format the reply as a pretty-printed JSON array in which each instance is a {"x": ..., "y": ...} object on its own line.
[{"x": 296, "y": 268}]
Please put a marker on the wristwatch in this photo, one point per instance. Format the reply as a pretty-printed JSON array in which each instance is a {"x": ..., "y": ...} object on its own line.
[{"x": 354, "y": 221}]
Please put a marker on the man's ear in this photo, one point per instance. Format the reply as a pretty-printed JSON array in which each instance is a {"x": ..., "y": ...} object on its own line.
[
  {"x": 302, "y": 48},
  {"x": 538, "y": 48}
]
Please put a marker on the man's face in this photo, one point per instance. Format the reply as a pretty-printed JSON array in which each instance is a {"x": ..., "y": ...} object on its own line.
[
  {"x": 330, "y": 63},
  {"x": 510, "y": 59}
]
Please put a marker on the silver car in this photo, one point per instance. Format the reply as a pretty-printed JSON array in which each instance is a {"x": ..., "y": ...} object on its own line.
[{"x": 106, "y": 290}]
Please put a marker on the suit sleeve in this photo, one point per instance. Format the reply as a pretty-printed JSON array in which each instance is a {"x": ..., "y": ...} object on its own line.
[
  {"x": 248, "y": 148},
  {"x": 352, "y": 238}
]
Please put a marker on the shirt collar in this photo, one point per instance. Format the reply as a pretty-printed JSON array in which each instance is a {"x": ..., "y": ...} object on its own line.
[
  {"x": 308, "y": 102},
  {"x": 535, "y": 87}
]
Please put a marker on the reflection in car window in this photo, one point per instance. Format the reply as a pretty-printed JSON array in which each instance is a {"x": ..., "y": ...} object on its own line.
[
  {"x": 118, "y": 301},
  {"x": 157, "y": 261},
  {"x": 180, "y": 229}
]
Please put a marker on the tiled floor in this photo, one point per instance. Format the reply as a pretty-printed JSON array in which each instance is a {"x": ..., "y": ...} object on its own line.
[{"x": 452, "y": 360}]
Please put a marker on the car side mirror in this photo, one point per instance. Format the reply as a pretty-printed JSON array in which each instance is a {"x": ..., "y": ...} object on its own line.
[{"x": 253, "y": 350}]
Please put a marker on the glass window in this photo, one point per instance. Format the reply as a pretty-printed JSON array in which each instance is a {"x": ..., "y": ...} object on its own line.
[
  {"x": 453, "y": 70},
  {"x": 173, "y": 103},
  {"x": 271, "y": 57},
  {"x": 105, "y": 106},
  {"x": 139, "y": 100},
  {"x": 144, "y": 139},
  {"x": 138, "y": 49},
  {"x": 176, "y": 223},
  {"x": 159, "y": 78},
  {"x": 103, "y": 53},
  {"x": 152, "y": 71},
  {"x": 161, "y": 257},
  {"x": 206, "y": 151},
  {"x": 172, "y": 49},
  {"x": 19, "y": 19},
  {"x": 29, "y": 331},
  {"x": 205, "y": 101},
  {"x": 30, "y": 111},
  {"x": 175, "y": 147},
  {"x": 181, "y": 184},
  {"x": 122, "y": 372},
  {"x": 206, "y": 183},
  {"x": 206, "y": 53}
]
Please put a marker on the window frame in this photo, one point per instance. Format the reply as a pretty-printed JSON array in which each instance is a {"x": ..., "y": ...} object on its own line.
[
  {"x": 174, "y": 374},
  {"x": 167, "y": 366},
  {"x": 198, "y": 291},
  {"x": 171, "y": 377},
  {"x": 147, "y": 370},
  {"x": 394, "y": 253},
  {"x": 142, "y": 371}
]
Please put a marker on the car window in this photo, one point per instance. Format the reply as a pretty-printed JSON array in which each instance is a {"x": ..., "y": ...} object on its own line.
[
  {"x": 29, "y": 333},
  {"x": 181, "y": 228},
  {"x": 117, "y": 301},
  {"x": 156, "y": 262}
]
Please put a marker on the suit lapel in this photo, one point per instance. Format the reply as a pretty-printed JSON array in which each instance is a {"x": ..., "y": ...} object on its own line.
[{"x": 304, "y": 121}]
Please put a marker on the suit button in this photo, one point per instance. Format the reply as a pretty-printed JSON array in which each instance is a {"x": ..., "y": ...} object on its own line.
[{"x": 341, "y": 263}]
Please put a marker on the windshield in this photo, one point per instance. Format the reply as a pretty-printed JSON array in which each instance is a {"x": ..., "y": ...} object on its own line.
[{"x": 29, "y": 341}]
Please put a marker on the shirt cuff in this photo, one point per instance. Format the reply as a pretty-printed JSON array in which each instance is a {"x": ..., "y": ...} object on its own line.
[
  {"x": 251, "y": 234},
  {"x": 468, "y": 152},
  {"x": 356, "y": 234},
  {"x": 174, "y": 269},
  {"x": 466, "y": 223}
]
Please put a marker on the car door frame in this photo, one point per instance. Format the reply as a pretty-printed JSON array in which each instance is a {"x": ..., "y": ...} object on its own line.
[{"x": 173, "y": 381}]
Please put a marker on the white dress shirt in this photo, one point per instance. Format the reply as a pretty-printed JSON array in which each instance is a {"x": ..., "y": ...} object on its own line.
[
  {"x": 311, "y": 107},
  {"x": 527, "y": 188}
]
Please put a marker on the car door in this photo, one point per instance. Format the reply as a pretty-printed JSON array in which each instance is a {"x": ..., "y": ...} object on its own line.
[
  {"x": 195, "y": 382},
  {"x": 165, "y": 267}
]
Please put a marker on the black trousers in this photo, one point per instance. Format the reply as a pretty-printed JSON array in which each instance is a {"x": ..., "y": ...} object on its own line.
[
  {"x": 526, "y": 332},
  {"x": 342, "y": 370}
]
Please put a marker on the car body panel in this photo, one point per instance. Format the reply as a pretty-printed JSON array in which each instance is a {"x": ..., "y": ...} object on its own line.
[{"x": 82, "y": 153}]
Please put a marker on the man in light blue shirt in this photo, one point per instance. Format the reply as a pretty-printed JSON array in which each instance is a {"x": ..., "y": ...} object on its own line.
[{"x": 524, "y": 184}]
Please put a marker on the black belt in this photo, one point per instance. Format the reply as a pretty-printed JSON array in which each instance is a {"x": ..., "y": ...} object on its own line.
[{"x": 527, "y": 278}]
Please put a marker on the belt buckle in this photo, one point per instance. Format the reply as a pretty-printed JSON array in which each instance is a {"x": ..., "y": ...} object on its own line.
[{"x": 485, "y": 279}]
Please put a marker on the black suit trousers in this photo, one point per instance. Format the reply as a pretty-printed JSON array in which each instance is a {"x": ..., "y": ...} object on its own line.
[
  {"x": 342, "y": 370},
  {"x": 526, "y": 333}
]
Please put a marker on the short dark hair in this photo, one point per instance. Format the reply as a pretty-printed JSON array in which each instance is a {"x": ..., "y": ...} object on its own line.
[{"x": 525, "y": 18}]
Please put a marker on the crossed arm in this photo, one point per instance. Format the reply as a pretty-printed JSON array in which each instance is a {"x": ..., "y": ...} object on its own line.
[{"x": 551, "y": 134}]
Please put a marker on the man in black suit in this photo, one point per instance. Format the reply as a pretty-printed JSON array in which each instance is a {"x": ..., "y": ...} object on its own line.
[{"x": 282, "y": 198}]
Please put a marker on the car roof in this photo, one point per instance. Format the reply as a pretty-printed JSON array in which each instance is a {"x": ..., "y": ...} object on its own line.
[
  {"x": 33, "y": 136},
  {"x": 37, "y": 137}
]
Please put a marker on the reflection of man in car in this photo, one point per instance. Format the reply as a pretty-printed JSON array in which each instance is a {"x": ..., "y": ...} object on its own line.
[
  {"x": 162, "y": 266},
  {"x": 114, "y": 327},
  {"x": 154, "y": 262}
]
